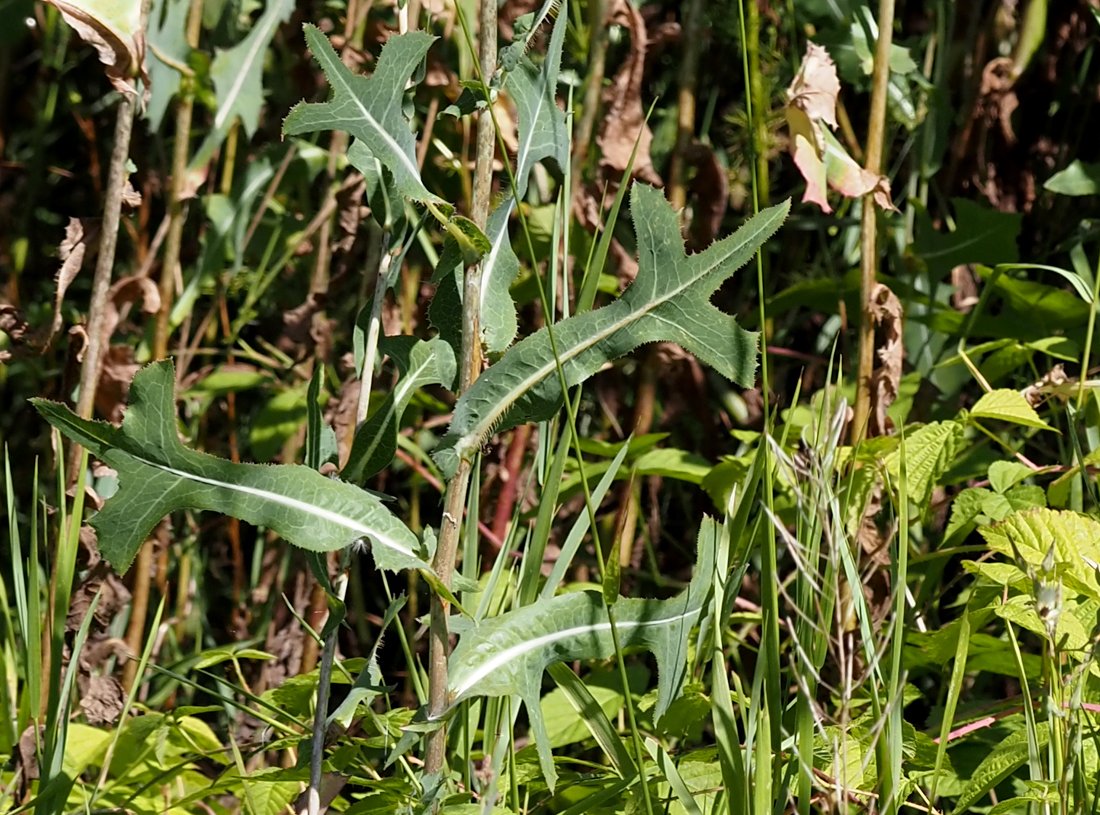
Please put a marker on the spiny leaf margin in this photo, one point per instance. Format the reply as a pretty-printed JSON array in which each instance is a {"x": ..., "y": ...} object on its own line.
[{"x": 158, "y": 475}]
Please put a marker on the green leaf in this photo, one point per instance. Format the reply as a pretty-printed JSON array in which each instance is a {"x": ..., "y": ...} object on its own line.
[
  {"x": 158, "y": 475},
  {"x": 1006, "y": 758},
  {"x": 369, "y": 109},
  {"x": 166, "y": 38},
  {"x": 1074, "y": 537},
  {"x": 238, "y": 72},
  {"x": 541, "y": 127},
  {"x": 669, "y": 300},
  {"x": 981, "y": 235},
  {"x": 1004, "y": 475},
  {"x": 1007, "y": 406},
  {"x": 423, "y": 362},
  {"x": 507, "y": 655},
  {"x": 929, "y": 451},
  {"x": 498, "y": 269},
  {"x": 1079, "y": 178}
]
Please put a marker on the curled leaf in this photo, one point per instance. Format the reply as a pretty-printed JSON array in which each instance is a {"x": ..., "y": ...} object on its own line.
[
  {"x": 113, "y": 28},
  {"x": 822, "y": 160}
]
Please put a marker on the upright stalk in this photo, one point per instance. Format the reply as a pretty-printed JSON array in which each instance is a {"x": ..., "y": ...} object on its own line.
[
  {"x": 469, "y": 367},
  {"x": 685, "y": 108},
  {"x": 177, "y": 217},
  {"x": 868, "y": 261}
]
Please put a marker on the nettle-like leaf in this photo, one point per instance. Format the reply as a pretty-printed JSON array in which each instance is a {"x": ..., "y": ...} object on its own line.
[
  {"x": 669, "y": 300},
  {"x": 369, "y": 108},
  {"x": 158, "y": 475},
  {"x": 506, "y": 655},
  {"x": 421, "y": 362}
]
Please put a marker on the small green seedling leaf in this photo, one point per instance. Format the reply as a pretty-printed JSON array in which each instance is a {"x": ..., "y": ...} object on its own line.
[
  {"x": 158, "y": 475},
  {"x": 369, "y": 109},
  {"x": 669, "y": 300},
  {"x": 1007, "y": 405},
  {"x": 507, "y": 655}
]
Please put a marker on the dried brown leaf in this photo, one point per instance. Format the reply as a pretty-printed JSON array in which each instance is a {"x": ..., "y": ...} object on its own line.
[
  {"x": 886, "y": 313},
  {"x": 624, "y": 124},
  {"x": 79, "y": 235},
  {"x": 113, "y": 28}
]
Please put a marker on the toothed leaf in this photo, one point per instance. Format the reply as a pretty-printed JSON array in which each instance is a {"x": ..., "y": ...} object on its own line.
[
  {"x": 506, "y": 655},
  {"x": 669, "y": 300},
  {"x": 369, "y": 108},
  {"x": 158, "y": 475},
  {"x": 426, "y": 362}
]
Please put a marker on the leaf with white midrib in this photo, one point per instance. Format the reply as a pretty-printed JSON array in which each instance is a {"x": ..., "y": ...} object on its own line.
[
  {"x": 158, "y": 475},
  {"x": 423, "y": 362},
  {"x": 669, "y": 300},
  {"x": 506, "y": 655},
  {"x": 369, "y": 108}
]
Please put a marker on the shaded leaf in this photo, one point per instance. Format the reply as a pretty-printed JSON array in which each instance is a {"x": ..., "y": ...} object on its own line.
[
  {"x": 167, "y": 45},
  {"x": 1079, "y": 178},
  {"x": 425, "y": 362},
  {"x": 981, "y": 235}
]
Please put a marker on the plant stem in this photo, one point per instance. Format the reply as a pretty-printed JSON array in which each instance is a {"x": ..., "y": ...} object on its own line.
[
  {"x": 868, "y": 264},
  {"x": 597, "y": 67},
  {"x": 469, "y": 368},
  {"x": 685, "y": 110},
  {"x": 177, "y": 217}
]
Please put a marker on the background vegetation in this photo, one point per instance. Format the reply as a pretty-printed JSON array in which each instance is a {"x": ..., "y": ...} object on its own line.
[{"x": 905, "y": 610}]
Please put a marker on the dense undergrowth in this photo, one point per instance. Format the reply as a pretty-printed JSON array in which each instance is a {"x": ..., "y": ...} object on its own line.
[{"x": 677, "y": 407}]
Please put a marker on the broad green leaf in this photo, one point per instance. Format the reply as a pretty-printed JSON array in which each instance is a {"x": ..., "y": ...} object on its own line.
[
  {"x": 166, "y": 38},
  {"x": 1007, "y": 405},
  {"x": 422, "y": 362},
  {"x": 158, "y": 475},
  {"x": 542, "y": 132},
  {"x": 1075, "y": 538},
  {"x": 669, "y": 300},
  {"x": 929, "y": 451},
  {"x": 1004, "y": 475},
  {"x": 237, "y": 72},
  {"x": 369, "y": 109},
  {"x": 277, "y": 421},
  {"x": 507, "y": 655},
  {"x": 981, "y": 235},
  {"x": 1079, "y": 178},
  {"x": 1006, "y": 758}
]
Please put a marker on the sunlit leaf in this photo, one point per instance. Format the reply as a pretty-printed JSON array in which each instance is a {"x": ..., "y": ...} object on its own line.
[
  {"x": 158, "y": 475},
  {"x": 669, "y": 300}
]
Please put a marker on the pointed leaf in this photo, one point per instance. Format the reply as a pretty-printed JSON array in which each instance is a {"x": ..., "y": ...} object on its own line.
[
  {"x": 499, "y": 268},
  {"x": 542, "y": 131},
  {"x": 427, "y": 362},
  {"x": 507, "y": 655},
  {"x": 1007, "y": 405},
  {"x": 238, "y": 71},
  {"x": 369, "y": 108},
  {"x": 166, "y": 38},
  {"x": 158, "y": 475},
  {"x": 669, "y": 300}
]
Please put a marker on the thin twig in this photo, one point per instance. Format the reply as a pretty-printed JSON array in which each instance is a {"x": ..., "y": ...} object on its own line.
[{"x": 868, "y": 264}]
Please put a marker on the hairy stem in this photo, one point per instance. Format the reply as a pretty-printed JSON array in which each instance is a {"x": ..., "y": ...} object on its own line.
[
  {"x": 469, "y": 368},
  {"x": 868, "y": 264}
]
